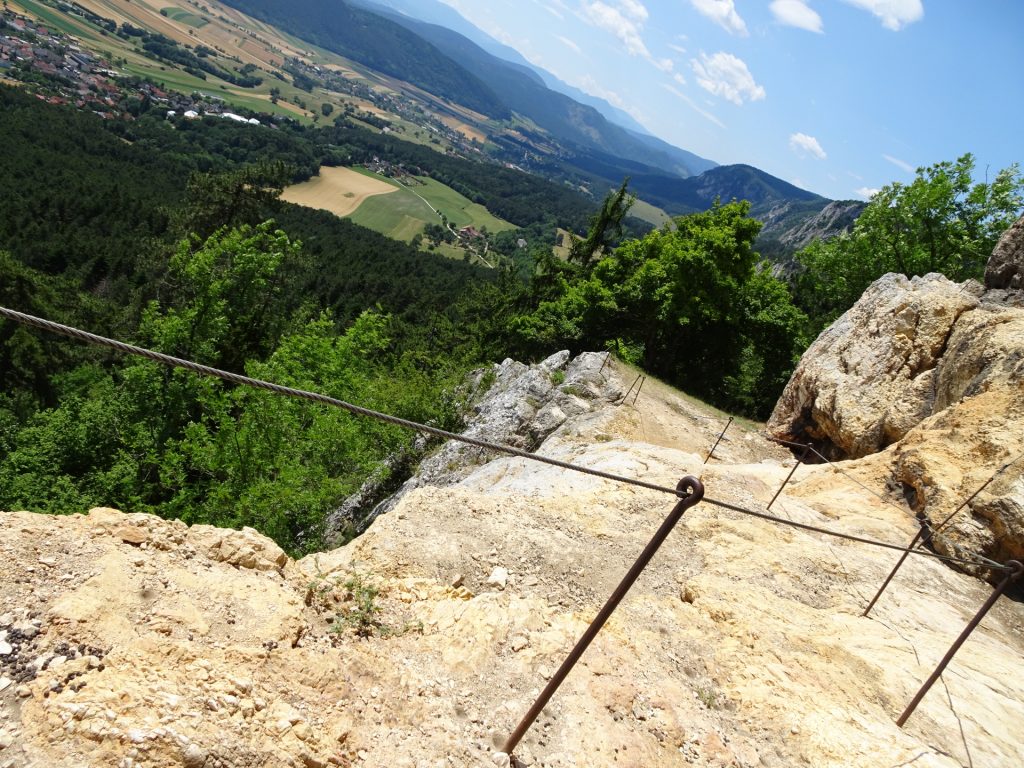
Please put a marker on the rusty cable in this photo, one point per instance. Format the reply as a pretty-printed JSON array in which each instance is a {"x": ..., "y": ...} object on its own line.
[{"x": 235, "y": 378}]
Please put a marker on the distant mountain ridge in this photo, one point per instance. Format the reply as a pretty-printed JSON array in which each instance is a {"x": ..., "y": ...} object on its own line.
[
  {"x": 400, "y": 38},
  {"x": 526, "y": 93},
  {"x": 381, "y": 44}
]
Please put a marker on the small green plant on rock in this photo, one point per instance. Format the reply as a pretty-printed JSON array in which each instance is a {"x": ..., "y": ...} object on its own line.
[
  {"x": 557, "y": 377},
  {"x": 360, "y": 610},
  {"x": 708, "y": 696}
]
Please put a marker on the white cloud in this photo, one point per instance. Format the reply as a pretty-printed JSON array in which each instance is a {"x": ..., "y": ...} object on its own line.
[
  {"x": 895, "y": 14},
  {"x": 699, "y": 110},
  {"x": 679, "y": 78},
  {"x": 796, "y": 13},
  {"x": 723, "y": 13},
  {"x": 866, "y": 192},
  {"x": 727, "y": 76},
  {"x": 554, "y": 12},
  {"x": 634, "y": 10},
  {"x": 665, "y": 65},
  {"x": 620, "y": 21},
  {"x": 569, "y": 43},
  {"x": 803, "y": 145},
  {"x": 903, "y": 164},
  {"x": 677, "y": 48}
]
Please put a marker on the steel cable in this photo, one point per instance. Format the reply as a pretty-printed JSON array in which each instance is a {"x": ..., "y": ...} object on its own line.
[{"x": 75, "y": 333}]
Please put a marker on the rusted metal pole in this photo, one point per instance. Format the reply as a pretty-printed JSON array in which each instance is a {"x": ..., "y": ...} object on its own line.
[
  {"x": 695, "y": 492},
  {"x": 712, "y": 451},
  {"x": 799, "y": 461},
  {"x": 1018, "y": 570},
  {"x": 606, "y": 356},
  {"x": 927, "y": 533},
  {"x": 903, "y": 558},
  {"x": 643, "y": 381},
  {"x": 630, "y": 390}
]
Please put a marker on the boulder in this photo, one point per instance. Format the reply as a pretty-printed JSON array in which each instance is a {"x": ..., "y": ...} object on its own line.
[
  {"x": 872, "y": 376},
  {"x": 1005, "y": 268}
]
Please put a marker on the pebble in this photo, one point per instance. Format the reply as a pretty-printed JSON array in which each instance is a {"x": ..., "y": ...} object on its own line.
[
  {"x": 5, "y": 648},
  {"x": 193, "y": 756},
  {"x": 501, "y": 759},
  {"x": 6, "y": 740},
  {"x": 519, "y": 642},
  {"x": 23, "y": 691},
  {"x": 498, "y": 577}
]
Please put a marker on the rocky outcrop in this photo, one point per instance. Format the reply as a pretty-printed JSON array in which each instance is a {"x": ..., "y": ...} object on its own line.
[
  {"x": 933, "y": 371},
  {"x": 1005, "y": 270},
  {"x": 874, "y": 374},
  {"x": 130, "y": 641},
  {"x": 520, "y": 405}
]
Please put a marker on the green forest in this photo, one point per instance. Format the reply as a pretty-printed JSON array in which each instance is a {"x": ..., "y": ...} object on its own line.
[{"x": 170, "y": 235}]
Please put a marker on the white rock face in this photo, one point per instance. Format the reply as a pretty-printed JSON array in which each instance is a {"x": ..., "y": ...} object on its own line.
[
  {"x": 871, "y": 376},
  {"x": 934, "y": 372}
]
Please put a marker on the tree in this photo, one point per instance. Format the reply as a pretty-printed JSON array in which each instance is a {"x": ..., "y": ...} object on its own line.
[
  {"x": 327, "y": 109},
  {"x": 940, "y": 222},
  {"x": 690, "y": 305},
  {"x": 605, "y": 226}
]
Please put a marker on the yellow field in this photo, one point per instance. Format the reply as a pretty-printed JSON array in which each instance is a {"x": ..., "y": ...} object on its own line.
[{"x": 338, "y": 190}]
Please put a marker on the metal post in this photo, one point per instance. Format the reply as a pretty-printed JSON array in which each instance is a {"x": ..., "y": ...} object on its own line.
[
  {"x": 606, "y": 356},
  {"x": 712, "y": 451},
  {"x": 799, "y": 461},
  {"x": 695, "y": 492},
  {"x": 628, "y": 391},
  {"x": 927, "y": 534},
  {"x": 1018, "y": 570},
  {"x": 903, "y": 558},
  {"x": 644, "y": 381}
]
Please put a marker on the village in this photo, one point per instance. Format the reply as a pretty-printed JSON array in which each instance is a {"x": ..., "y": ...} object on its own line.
[{"x": 60, "y": 71}]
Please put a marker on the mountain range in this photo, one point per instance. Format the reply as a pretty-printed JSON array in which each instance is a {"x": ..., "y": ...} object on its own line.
[{"x": 531, "y": 118}]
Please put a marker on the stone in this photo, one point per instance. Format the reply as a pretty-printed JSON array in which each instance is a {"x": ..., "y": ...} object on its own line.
[
  {"x": 498, "y": 577},
  {"x": 1005, "y": 268},
  {"x": 193, "y": 756},
  {"x": 518, "y": 642},
  {"x": 5, "y": 648},
  {"x": 131, "y": 534},
  {"x": 870, "y": 377}
]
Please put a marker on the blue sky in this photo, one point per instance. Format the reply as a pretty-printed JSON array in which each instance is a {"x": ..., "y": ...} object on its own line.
[{"x": 836, "y": 96}]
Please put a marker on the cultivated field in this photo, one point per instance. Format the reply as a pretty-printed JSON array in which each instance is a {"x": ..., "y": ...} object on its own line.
[{"x": 338, "y": 190}]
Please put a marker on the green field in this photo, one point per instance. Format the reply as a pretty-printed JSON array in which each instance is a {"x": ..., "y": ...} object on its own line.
[
  {"x": 404, "y": 213},
  {"x": 461, "y": 211},
  {"x": 185, "y": 17},
  {"x": 400, "y": 215}
]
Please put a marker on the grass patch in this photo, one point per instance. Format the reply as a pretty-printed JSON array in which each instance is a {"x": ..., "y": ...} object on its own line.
[
  {"x": 400, "y": 215},
  {"x": 460, "y": 210},
  {"x": 185, "y": 17}
]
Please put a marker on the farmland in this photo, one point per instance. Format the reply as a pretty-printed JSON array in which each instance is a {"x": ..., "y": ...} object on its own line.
[
  {"x": 338, "y": 190},
  {"x": 389, "y": 207}
]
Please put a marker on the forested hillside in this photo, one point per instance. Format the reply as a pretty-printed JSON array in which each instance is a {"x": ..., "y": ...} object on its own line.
[{"x": 381, "y": 44}]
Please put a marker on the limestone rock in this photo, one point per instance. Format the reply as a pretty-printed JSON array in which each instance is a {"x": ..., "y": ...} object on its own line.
[
  {"x": 522, "y": 407},
  {"x": 871, "y": 376},
  {"x": 199, "y": 657},
  {"x": 1005, "y": 268},
  {"x": 246, "y": 548}
]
